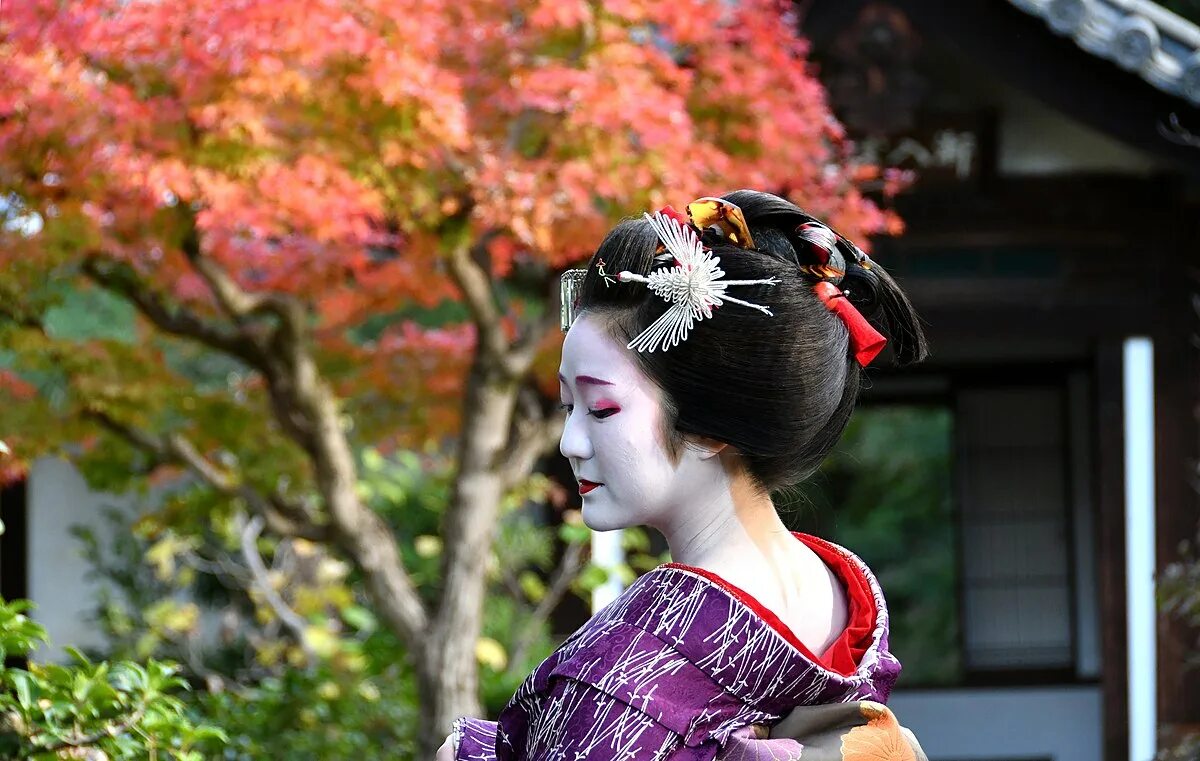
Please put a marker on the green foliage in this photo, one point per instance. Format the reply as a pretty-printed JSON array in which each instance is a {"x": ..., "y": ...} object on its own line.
[
  {"x": 1186, "y": 748},
  {"x": 90, "y": 313},
  {"x": 324, "y": 712},
  {"x": 409, "y": 490},
  {"x": 893, "y": 506},
  {"x": 119, "y": 710},
  {"x": 283, "y": 199},
  {"x": 151, "y": 595},
  {"x": 19, "y": 634},
  {"x": 354, "y": 696},
  {"x": 1178, "y": 593},
  {"x": 504, "y": 618},
  {"x": 161, "y": 572}
]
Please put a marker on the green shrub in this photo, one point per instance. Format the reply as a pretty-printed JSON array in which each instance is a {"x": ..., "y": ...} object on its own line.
[{"x": 94, "y": 710}]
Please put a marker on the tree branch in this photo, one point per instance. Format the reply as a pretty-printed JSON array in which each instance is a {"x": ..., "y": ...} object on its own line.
[
  {"x": 560, "y": 581},
  {"x": 473, "y": 280},
  {"x": 250, "y": 531},
  {"x": 282, "y": 516},
  {"x": 524, "y": 351},
  {"x": 109, "y": 730},
  {"x": 238, "y": 303},
  {"x": 307, "y": 411},
  {"x": 534, "y": 433},
  {"x": 10, "y": 313},
  {"x": 172, "y": 318}
]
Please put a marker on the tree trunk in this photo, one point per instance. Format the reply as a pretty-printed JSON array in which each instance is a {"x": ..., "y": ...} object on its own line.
[
  {"x": 448, "y": 674},
  {"x": 447, "y": 688},
  {"x": 495, "y": 450}
]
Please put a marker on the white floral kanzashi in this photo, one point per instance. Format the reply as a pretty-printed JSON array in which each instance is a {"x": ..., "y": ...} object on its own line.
[{"x": 693, "y": 287}]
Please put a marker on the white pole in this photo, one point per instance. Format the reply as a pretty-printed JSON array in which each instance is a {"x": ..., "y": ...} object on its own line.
[
  {"x": 1141, "y": 615},
  {"x": 608, "y": 554}
]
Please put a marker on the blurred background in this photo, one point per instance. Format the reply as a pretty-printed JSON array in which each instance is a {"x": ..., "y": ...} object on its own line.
[{"x": 279, "y": 328}]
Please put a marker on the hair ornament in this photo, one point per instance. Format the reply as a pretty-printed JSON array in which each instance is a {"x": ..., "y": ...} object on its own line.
[
  {"x": 608, "y": 279},
  {"x": 865, "y": 341},
  {"x": 829, "y": 268},
  {"x": 860, "y": 256},
  {"x": 727, "y": 218},
  {"x": 829, "y": 264},
  {"x": 694, "y": 287},
  {"x": 570, "y": 283},
  {"x": 818, "y": 235},
  {"x": 669, "y": 211}
]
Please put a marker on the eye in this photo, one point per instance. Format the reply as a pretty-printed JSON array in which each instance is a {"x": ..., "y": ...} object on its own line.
[{"x": 598, "y": 414}]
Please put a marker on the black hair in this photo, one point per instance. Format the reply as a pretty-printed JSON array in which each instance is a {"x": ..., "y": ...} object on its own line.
[{"x": 779, "y": 389}]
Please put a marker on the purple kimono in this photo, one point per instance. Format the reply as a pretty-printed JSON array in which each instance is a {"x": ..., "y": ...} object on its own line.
[{"x": 684, "y": 666}]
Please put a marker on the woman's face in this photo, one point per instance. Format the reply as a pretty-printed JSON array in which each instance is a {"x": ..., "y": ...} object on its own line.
[{"x": 613, "y": 436}]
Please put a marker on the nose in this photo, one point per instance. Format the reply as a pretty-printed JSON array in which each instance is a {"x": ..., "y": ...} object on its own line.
[{"x": 574, "y": 444}]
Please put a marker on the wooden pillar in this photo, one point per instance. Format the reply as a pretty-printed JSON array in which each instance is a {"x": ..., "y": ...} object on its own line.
[
  {"x": 1110, "y": 543},
  {"x": 1177, "y": 394}
]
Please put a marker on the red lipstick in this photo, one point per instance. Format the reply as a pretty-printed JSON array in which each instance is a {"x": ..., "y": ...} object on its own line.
[{"x": 586, "y": 486}]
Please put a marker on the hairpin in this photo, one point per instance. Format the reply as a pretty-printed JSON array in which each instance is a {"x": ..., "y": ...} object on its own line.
[
  {"x": 694, "y": 286},
  {"x": 829, "y": 264},
  {"x": 569, "y": 286},
  {"x": 830, "y": 268},
  {"x": 727, "y": 217}
]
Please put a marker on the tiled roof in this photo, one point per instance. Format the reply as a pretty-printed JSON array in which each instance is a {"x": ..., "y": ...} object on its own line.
[{"x": 1138, "y": 35}]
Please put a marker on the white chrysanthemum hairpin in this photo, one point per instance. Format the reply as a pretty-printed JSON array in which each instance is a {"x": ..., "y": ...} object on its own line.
[{"x": 693, "y": 287}]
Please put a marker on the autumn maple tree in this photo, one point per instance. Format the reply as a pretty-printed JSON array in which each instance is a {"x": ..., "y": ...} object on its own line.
[{"x": 357, "y": 211}]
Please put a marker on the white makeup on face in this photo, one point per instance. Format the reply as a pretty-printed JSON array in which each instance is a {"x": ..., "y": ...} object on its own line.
[{"x": 612, "y": 437}]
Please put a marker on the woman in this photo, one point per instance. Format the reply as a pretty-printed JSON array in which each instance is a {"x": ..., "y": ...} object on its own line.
[{"x": 713, "y": 358}]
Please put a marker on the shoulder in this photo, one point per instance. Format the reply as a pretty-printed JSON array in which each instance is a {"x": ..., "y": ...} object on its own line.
[
  {"x": 626, "y": 668},
  {"x": 670, "y": 653},
  {"x": 603, "y": 687},
  {"x": 616, "y": 657}
]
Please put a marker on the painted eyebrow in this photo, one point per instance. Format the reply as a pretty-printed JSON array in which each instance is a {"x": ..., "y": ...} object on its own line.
[{"x": 586, "y": 379}]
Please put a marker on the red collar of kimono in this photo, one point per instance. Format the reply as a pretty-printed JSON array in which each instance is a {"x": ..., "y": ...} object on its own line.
[{"x": 844, "y": 655}]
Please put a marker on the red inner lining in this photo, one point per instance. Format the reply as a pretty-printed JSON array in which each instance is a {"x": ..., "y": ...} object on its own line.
[{"x": 843, "y": 655}]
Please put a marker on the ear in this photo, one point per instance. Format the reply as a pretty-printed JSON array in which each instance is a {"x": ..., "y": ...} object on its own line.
[{"x": 707, "y": 447}]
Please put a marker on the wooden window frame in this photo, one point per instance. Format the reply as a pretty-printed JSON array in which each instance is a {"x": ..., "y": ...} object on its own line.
[{"x": 945, "y": 387}]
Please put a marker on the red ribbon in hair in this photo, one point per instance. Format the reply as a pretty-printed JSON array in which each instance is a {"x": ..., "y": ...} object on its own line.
[
  {"x": 681, "y": 218},
  {"x": 864, "y": 339}
]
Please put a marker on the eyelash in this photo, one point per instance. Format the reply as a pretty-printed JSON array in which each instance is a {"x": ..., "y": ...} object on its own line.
[{"x": 594, "y": 413}]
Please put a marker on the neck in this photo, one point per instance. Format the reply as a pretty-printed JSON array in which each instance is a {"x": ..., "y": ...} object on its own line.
[{"x": 736, "y": 528}]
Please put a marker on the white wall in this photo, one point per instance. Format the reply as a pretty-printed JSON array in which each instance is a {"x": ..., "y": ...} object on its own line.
[
  {"x": 58, "y": 498},
  {"x": 1061, "y": 723}
]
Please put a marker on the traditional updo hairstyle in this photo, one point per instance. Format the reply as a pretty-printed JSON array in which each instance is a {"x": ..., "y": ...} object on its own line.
[{"x": 779, "y": 389}]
